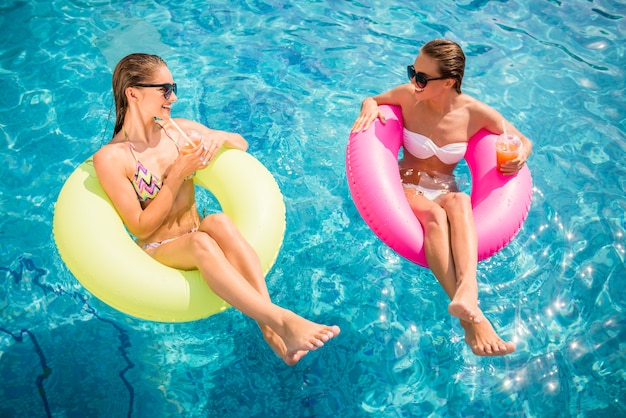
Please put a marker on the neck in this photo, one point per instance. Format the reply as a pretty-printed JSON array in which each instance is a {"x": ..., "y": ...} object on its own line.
[
  {"x": 442, "y": 104},
  {"x": 134, "y": 130}
]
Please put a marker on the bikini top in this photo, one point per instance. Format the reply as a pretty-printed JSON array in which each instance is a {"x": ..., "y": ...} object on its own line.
[
  {"x": 422, "y": 147},
  {"x": 146, "y": 184}
]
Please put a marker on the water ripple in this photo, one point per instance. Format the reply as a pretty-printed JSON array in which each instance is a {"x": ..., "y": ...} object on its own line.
[{"x": 290, "y": 76}]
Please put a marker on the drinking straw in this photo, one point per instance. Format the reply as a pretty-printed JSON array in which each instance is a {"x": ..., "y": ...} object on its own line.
[{"x": 181, "y": 131}]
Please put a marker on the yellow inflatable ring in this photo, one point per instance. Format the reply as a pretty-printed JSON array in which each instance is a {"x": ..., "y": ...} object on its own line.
[{"x": 97, "y": 249}]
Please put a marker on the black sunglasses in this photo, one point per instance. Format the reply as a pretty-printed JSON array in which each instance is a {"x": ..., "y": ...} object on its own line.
[
  {"x": 167, "y": 88},
  {"x": 420, "y": 79}
]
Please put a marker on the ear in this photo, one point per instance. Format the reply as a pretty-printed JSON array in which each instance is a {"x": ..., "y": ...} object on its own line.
[{"x": 130, "y": 94}]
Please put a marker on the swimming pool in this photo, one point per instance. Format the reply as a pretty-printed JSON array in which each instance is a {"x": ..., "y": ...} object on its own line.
[{"x": 290, "y": 77}]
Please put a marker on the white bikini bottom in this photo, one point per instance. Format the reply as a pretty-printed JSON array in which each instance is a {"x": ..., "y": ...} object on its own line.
[
  {"x": 429, "y": 194},
  {"x": 432, "y": 188}
]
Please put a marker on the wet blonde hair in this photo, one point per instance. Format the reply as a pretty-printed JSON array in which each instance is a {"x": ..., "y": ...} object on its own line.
[
  {"x": 133, "y": 69},
  {"x": 450, "y": 59}
]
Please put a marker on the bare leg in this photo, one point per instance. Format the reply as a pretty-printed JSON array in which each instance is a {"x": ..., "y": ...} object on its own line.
[
  {"x": 244, "y": 259},
  {"x": 290, "y": 335},
  {"x": 464, "y": 303},
  {"x": 236, "y": 249},
  {"x": 436, "y": 239},
  {"x": 450, "y": 246},
  {"x": 439, "y": 249}
]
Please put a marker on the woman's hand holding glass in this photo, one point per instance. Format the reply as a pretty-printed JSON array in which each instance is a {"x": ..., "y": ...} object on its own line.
[
  {"x": 191, "y": 142},
  {"x": 213, "y": 142},
  {"x": 193, "y": 154},
  {"x": 511, "y": 167},
  {"x": 203, "y": 147}
]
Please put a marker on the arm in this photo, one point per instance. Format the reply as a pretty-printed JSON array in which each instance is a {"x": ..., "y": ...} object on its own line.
[
  {"x": 370, "y": 110},
  {"x": 215, "y": 138},
  {"x": 212, "y": 140},
  {"x": 111, "y": 163},
  {"x": 490, "y": 119}
]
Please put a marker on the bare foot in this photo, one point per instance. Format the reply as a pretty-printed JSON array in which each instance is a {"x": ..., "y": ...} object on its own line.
[
  {"x": 464, "y": 312},
  {"x": 484, "y": 341},
  {"x": 300, "y": 334},
  {"x": 278, "y": 345},
  {"x": 464, "y": 305}
]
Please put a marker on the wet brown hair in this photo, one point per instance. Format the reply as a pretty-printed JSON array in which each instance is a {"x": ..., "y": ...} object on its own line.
[
  {"x": 450, "y": 59},
  {"x": 133, "y": 69}
]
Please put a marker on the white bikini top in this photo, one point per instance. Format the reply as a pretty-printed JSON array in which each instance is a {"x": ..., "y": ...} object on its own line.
[{"x": 422, "y": 147}]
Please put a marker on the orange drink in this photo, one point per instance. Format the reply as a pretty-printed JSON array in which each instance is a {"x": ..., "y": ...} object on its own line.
[
  {"x": 507, "y": 148},
  {"x": 194, "y": 139}
]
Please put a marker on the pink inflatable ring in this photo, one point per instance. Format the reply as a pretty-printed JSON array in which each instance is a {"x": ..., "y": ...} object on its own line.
[{"x": 500, "y": 203}]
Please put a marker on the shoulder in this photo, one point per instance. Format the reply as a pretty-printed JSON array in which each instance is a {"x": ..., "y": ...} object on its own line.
[
  {"x": 470, "y": 103},
  {"x": 111, "y": 151},
  {"x": 399, "y": 96},
  {"x": 478, "y": 109},
  {"x": 481, "y": 115},
  {"x": 112, "y": 157},
  {"x": 404, "y": 89}
]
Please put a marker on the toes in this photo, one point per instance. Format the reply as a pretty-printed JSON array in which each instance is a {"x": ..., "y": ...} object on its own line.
[
  {"x": 509, "y": 347},
  {"x": 329, "y": 333},
  {"x": 319, "y": 337},
  {"x": 291, "y": 358},
  {"x": 325, "y": 336},
  {"x": 493, "y": 349},
  {"x": 486, "y": 350}
]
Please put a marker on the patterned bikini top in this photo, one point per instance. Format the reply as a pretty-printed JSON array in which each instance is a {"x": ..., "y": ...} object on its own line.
[{"x": 146, "y": 184}]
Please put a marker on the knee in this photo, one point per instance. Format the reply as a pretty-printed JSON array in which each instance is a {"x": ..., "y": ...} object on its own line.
[
  {"x": 457, "y": 205},
  {"x": 219, "y": 224},
  {"x": 203, "y": 245},
  {"x": 435, "y": 219}
]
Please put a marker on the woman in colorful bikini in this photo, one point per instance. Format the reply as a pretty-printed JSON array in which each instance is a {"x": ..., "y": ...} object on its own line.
[
  {"x": 147, "y": 178},
  {"x": 438, "y": 122}
]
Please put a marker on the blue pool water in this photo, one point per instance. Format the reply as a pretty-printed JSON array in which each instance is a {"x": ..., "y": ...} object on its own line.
[{"x": 290, "y": 76}]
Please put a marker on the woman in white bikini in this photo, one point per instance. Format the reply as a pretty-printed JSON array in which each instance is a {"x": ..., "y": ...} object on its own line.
[
  {"x": 147, "y": 177},
  {"x": 438, "y": 122}
]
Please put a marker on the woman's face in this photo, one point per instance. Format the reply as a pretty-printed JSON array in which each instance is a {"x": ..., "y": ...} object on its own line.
[
  {"x": 429, "y": 68},
  {"x": 152, "y": 100}
]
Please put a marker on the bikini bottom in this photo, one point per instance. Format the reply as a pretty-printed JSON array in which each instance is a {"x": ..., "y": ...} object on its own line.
[
  {"x": 431, "y": 187},
  {"x": 429, "y": 194},
  {"x": 165, "y": 241}
]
